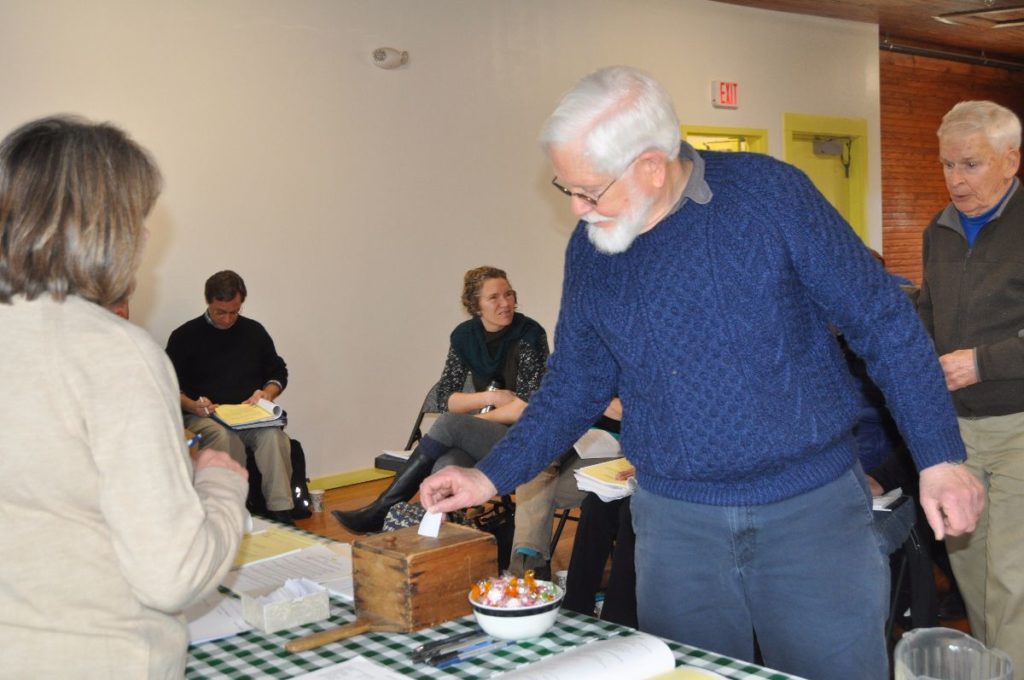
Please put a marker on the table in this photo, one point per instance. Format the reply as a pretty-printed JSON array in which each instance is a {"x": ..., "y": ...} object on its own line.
[{"x": 259, "y": 655}]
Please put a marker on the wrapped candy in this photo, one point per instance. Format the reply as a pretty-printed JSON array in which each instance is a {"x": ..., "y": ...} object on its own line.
[{"x": 511, "y": 592}]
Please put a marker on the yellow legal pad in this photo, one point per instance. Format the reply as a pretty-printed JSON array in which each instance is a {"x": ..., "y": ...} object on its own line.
[
  {"x": 269, "y": 543},
  {"x": 607, "y": 472},
  {"x": 241, "y": 414}
]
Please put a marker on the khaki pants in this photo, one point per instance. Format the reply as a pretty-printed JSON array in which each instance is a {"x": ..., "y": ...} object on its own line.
[
  {"x": 271, "y": 449},
  {"x": 537, "y": 499},
  {"x": 989, "y": 563}
]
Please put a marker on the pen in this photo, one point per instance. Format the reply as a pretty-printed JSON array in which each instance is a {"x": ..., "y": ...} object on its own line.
[
  {"x": 435, "y": 644},
  {"x": 429, "y": 655},
  {"x": 453, "y": 658},
  {"x": 193, "y": 441}
]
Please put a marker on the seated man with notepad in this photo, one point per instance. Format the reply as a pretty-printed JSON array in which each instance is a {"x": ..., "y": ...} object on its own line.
[
  {"x": 555, "y": 487},
  {"x": 224, "y": 358}
]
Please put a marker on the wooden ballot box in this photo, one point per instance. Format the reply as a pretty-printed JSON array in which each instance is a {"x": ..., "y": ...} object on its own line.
[{"x": 406, "y": 581}]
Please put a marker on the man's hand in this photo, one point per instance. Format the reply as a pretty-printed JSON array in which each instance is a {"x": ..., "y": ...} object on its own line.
[
  {"x": 270, "y": 392},
  {"x": 257, "y": 395},
  {"x": 876, "y": 488},
  {"x": 214, "y": 458},
  {"x": 960, "y": 369},
  {"x": 454, "y": 488},
  {"x": 201, "y": 407},
  {"x": 952, "y": 499}
]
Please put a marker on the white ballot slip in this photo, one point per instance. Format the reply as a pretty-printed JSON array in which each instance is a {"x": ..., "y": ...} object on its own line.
[{"x": 430, "y": 525}]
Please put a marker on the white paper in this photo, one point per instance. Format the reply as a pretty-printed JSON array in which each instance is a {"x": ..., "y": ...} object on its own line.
[
  {"x": 318, "y": 563},
  {"x": 214, "y": 617},
  {"x": 885, "y": 501},
  {"x": 270, "y": 407},
  {"x": 601, "y": 483},
  {"x": 597, "y": 443},
  {"x": 635, "y": 656},
  {"x": 359, "y": 668},
  {"x": 404, "y": 455},
  {"x": 293, "y": 589},
  {"x": 430, "y": 525}
]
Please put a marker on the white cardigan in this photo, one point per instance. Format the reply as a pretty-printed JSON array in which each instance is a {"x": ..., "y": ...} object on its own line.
[{"x": 104, "y": 537}]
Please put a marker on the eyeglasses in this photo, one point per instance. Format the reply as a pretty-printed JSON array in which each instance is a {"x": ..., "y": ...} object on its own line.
[{"x": 592, "y": 201}]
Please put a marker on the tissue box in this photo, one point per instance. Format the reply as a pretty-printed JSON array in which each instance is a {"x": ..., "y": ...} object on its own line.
[
  {"x": 271, "y": 617},
  {"x": 406, "y": 581}
]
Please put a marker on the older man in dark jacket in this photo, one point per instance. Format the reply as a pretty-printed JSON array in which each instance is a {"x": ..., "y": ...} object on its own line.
[{"x": 972, "y": 302}]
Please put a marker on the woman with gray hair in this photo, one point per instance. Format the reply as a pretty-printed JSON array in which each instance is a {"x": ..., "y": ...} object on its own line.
[{"x": 110, "y": 530}]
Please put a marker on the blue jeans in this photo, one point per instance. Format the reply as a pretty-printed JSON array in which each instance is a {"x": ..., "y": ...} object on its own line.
[{"x": 805, "y": 575}]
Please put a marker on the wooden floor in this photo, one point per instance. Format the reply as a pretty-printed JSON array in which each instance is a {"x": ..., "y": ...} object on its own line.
[{"x": 358, "y": 495}]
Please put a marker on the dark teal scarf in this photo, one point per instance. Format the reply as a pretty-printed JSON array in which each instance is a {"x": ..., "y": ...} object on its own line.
[{"x": 470, "y": 343}]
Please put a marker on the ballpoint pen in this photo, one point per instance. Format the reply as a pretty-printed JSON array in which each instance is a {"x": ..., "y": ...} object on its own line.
[
  {"x": 465, "y": 644},
  {"x": 453, "y": 658},
  {"x": 432, "y": 648}
]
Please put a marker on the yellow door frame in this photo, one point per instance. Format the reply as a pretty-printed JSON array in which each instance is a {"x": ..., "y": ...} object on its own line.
[
  {"x": 799, "y": 127},
  {"x": 756, "y": 138}
]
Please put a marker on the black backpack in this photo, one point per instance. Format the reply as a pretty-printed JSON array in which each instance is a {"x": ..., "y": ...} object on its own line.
[{"x": 257, "y": 505}]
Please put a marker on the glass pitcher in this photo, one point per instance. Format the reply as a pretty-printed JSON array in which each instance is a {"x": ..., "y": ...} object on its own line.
[{"x": 947, "y": 654}]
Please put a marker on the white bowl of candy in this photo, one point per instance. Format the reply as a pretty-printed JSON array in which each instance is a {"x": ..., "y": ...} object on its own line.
[{"x": 511, "y": 608}]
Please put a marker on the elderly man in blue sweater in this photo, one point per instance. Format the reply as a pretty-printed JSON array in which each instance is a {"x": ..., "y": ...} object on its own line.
[{"x": 700, "y": 288}]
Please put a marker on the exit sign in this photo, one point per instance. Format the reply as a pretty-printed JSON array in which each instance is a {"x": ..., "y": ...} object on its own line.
[{"x": 725, "y": 95}]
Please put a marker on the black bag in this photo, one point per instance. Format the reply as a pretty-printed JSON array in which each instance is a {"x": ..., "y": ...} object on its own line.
[
  {"x": 257, "y": 505},
  {"x": 496, "y": 517}
]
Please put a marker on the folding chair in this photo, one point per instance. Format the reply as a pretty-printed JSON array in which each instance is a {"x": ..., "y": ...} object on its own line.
[
  {"x": 429, "y": 405},
  {"x": 563, "y": 515}
]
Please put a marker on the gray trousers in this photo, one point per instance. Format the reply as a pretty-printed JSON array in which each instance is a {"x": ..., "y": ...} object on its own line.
[{"x": 468, "y": 439}]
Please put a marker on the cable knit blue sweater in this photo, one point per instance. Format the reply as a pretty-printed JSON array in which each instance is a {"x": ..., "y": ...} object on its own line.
[{"x": 713, "y": 328}]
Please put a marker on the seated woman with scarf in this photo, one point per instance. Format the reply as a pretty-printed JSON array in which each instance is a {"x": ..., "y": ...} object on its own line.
[{"x": 500, "y": 354}]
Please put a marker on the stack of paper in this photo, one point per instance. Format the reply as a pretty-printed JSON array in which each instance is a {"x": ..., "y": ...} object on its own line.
[
  {"x": 399, "y": 455},
  {"x": 267, "y": 557},
  {"x": 247, "y": 416},
  {"x": 270, "y": 542},
  {"x": 330, "y": 566},
  {"x": 606, "y": 479}
]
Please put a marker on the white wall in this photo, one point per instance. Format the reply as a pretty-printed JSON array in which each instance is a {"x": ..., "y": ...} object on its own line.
[{"x": 352, "y": 199}]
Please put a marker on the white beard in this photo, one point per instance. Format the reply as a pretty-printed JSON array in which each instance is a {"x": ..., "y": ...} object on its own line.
[{"x": 627, "y": 226}]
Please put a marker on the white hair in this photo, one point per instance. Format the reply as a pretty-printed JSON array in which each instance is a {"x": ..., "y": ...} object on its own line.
[
  {"x": 999, "y": 124},
  {"x": 618, "y": 112}
]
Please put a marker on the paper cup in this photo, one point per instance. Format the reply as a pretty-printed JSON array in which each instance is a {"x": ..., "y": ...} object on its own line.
[{"x": 317, "y": 495}]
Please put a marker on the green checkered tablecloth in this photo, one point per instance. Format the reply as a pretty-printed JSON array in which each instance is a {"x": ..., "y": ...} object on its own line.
[{"x": 259, "y": 655}]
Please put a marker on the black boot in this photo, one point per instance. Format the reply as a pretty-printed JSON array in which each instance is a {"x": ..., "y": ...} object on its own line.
[{"x": 402, "y": 488}]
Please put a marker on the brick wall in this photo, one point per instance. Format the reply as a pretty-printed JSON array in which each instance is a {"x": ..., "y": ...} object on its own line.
[{"x": 915, "y": 93}]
